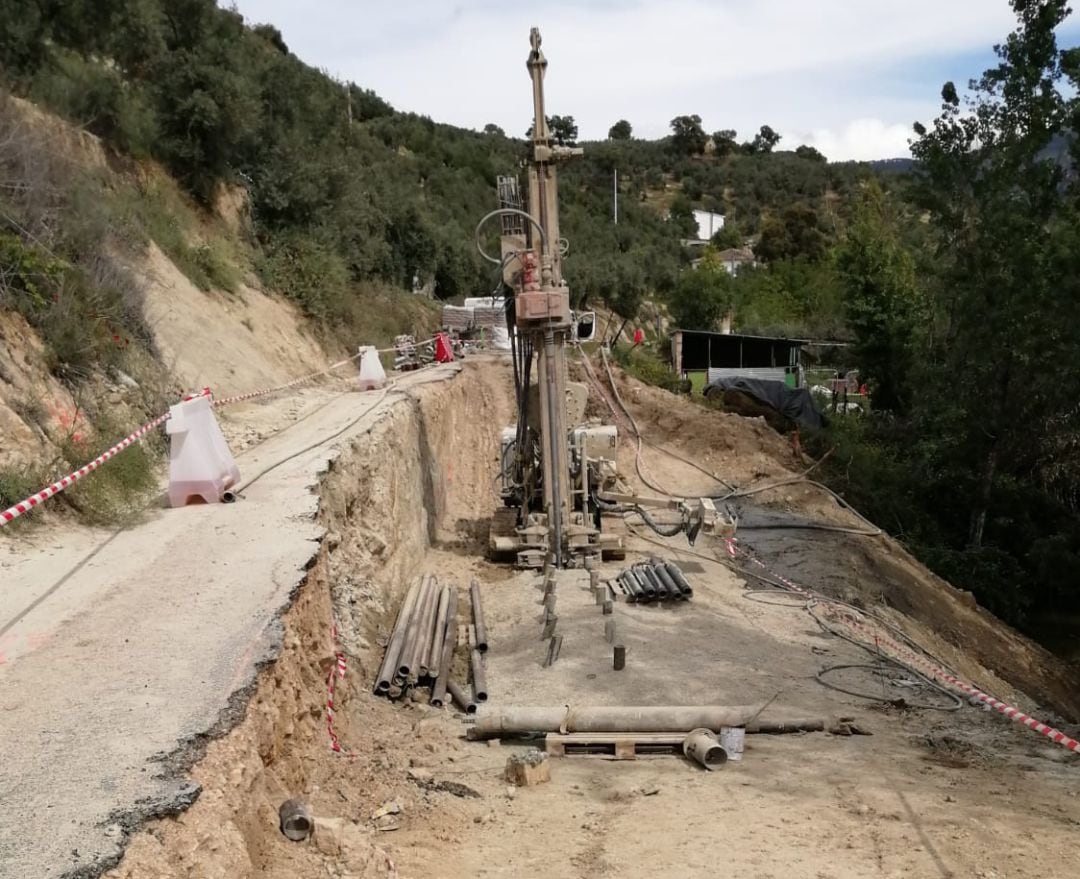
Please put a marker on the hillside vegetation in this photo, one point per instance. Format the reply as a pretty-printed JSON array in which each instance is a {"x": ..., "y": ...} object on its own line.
[{"x": 955, "y": 279}]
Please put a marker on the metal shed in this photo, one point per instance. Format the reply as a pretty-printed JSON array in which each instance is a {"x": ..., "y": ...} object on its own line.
[{"x": 727, "y": 355}]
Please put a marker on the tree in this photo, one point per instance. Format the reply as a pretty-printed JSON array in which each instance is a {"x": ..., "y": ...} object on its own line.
[
  {"x": 764, "y": 141},
  {"x": 702, "y": 295},
  {"x": 724, "y": 142},
  {"x": 564, "y": 130},
  {"x": 883, "y": 306},
  {"x": 621, "y": 130},
  {"x": 795, "y": 233},
  {"x": 494, "y": 130},
  {"x": 687, "y": 135},
  {"x": 681, "y": 216},
  {"x": 809, "y": 153},
  {"x": 727, "y": 237},
  {"x": 1006, "y": 318}
]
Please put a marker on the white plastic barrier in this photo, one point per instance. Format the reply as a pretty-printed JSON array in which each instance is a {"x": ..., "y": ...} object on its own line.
[
  {"x": 201, "y": 467},
  {"x": 372, "y": 375}
]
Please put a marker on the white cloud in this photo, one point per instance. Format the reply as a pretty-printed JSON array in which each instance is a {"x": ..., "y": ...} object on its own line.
[
  {"x": 859, "y": 139},
  {"x": 794, "y": 64}
]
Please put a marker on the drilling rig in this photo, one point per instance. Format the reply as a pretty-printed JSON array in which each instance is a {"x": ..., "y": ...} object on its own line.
[{"x": 557, "y": 470}]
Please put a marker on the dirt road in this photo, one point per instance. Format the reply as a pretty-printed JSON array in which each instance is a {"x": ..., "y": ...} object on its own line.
[{"x": 123, "y": 650}]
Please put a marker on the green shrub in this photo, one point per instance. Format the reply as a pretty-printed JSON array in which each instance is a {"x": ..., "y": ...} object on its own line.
[{"x": 118, "y": 490}]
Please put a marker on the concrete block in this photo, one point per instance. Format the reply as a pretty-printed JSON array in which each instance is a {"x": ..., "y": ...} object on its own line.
[{"x": 528, "y": 769}]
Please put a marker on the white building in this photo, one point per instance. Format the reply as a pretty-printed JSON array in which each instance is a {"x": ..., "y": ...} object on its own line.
[{"x": 708, "y": 224}]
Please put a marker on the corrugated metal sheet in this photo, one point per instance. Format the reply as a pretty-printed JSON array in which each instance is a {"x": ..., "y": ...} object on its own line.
[{"x": 774, "y": 374}]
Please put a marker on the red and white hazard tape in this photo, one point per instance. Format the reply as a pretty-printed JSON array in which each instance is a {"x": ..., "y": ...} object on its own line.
[
  {"x": 251, "y": 395},
  {"x": 903, "y": 654},
  {"x": 25, "y": 506},
  {"x": 394, "y": 348},
  {"x": 31, "y": 502},
  {"x": 337, "y": 671}
]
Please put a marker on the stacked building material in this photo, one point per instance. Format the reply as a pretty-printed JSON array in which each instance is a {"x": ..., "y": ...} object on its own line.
[
  {"x": 421, "y": 646},
  {"x": 655, "y": 580},
  {"x": 421, "y": 649}
]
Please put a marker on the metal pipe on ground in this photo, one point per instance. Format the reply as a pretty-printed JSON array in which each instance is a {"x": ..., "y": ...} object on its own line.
[
  {"x": 677, "y": 575},
  {"x": 559, "y": 718},
  {"x": 478, "y": 617},
  {"x": 410, "y": 659},
  {"x": 701, "y": 745},
  {"x": 479, "y": 681},
  {"x": 650, "y": 575},
  {"x": 429, "y": 665},
  {"x": 446, "y": 655},
  {"x": 389, "y": 666},
  {"x": 781, "y": 727},
  {"x": 645, "y": 583},
  {"x": 673, "y": 588},
  {"x": 427, "y": 626},
  {"x": 296, "y": 820},
  {"x": 467, "y": 705}
]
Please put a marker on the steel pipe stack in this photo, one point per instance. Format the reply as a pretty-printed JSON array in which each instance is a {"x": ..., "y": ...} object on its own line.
[
  {"x": 421, "y": 646},
  {"x": 655, "y": 580}
]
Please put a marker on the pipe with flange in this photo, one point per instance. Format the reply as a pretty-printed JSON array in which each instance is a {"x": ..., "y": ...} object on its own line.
[
  {"x": 478, "y": 617},
  {"x": 393, "y": 649},
  {"x": 467, "y": 705},
  {"x": 566, "y": 719},
  {"x": 701, "y": 745},
  {"x": 446, "y": 655},
  {"x": 296, "y": 820}
]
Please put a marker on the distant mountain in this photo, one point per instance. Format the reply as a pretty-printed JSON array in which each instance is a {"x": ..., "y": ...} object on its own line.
[{"x": 893, "y": 166}]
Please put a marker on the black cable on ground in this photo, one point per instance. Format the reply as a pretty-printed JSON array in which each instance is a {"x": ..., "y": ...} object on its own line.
[
  {"x": 957, "y": 702},
  {"x": 246, "y": 485}
]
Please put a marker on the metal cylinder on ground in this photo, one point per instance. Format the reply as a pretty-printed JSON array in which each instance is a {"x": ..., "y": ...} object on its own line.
[
  {"x": 672, "y": 718},
  {"x": 388, "y": 669},
  {"x": 701, "y": 745},
  {"x": 634, "y": 585},
  {"x": 464, "y": 702},
  {"x": 478, "y": 617},
  {"x": 677, "y": 575},
  {"x": 673, "y": 588},
  {"x": 618, "y": 659},
  {"x": 781, "y": 727},
  {"x": 296, "y": 820},
  {"x": 446, "y": 655},
  {"x": 645, "y": 583},
  {"x": 479, "y": 683},
  {"x": 429, "y": 664},
  {"x": 407, "y": 657},
  {"x": 649, "y": 574}
]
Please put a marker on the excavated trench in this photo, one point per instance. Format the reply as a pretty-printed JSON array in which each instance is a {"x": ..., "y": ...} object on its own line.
[
  {"x": 414, "y": 494},
  {"x": 418, "y": 482}
]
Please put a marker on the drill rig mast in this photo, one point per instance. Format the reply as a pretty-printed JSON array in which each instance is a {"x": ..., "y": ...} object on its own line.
[
  {"x": 558, "y": 470},
  {"x": 546, "y": 482}
]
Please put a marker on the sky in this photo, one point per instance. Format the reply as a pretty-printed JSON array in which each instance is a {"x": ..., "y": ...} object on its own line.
[{"x": 848, "y": 77}]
